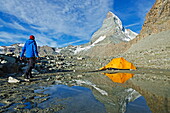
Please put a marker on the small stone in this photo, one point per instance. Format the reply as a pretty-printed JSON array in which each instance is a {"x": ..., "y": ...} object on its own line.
[
  {"x": 79, "y": 76},
  {"x": 27, "y": 80},
  {"x": 13, "y": 80},
  {"x": 3, "y": 61},
  {"x": 58, "y": 77}
]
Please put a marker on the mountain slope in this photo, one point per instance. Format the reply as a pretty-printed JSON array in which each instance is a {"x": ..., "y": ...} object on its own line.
[{"x": 151, "y": 52}]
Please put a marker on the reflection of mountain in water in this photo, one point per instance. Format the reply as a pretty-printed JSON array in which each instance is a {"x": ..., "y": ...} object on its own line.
[
  {"x": 139, "y": 105},
  {"x": 118, "y": 95},
  {"x": 119, "y": 77},
  {"x": 76, "y": 99}
]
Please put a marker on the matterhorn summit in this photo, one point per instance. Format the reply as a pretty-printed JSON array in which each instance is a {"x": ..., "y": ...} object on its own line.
[{"x": 112, "y": 32}]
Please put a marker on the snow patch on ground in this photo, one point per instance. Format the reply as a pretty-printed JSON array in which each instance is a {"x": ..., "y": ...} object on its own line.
[
  {"x": 88, "y": 47},
  {"x": 130, "y": 35},
  {"x": 99, "y": 39},
  {"x": 21, "y": 45}
]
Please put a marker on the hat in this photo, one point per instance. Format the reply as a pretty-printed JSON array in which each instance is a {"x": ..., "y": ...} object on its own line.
[{"x": 32, "y": 37}]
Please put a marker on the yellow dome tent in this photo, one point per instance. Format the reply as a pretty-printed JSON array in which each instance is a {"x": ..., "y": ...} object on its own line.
[
  {"x": 119, "y": 77},
  {"x": 119, "y": 63}
]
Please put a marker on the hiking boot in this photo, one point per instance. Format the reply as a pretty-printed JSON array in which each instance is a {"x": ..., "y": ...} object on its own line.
[{"x": 31, "y": 76}]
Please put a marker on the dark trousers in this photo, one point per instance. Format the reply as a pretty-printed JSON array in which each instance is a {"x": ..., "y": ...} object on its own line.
[{"x": 31, "y": 65}]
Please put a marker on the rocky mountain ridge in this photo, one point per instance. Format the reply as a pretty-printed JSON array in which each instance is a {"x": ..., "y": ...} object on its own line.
[
  {"x": 151, "y": 47},
  {"x": 157, "y": 19},
  {"x": 17, "y": 48},
  {"x": 113, "y": 29}
]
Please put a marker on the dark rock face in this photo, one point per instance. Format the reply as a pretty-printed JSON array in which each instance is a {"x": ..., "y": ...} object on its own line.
[
  {"x": 157, "y": 19},
  {"x": 9, "y": 64}
]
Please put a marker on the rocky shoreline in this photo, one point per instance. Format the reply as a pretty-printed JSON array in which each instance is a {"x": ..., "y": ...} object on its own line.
[{"x": 58, "y": 69}]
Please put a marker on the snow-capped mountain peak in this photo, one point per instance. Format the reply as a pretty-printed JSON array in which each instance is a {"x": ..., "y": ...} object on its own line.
[
  {"x": 113, "y": 29},
  {"x": 116, "y": 19}
]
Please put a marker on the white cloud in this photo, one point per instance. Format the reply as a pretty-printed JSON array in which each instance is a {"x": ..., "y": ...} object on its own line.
[
  {"x": 18, "y": 26},
  {"x": 14, "y": 25},
  {"x": 70, "y": 43},
  {"x": 130, "y": 25},
  {"x": 44, "y": 40},
  {"x": 9, "y": 37},
  {"x": 72, "y": 17},
  {"x": 19, "y": 38}
]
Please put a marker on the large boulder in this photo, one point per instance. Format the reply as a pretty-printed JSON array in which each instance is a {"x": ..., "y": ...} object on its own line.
[
  {"x": 9, "y": 64},
  {"x": 46, "y": 50}
]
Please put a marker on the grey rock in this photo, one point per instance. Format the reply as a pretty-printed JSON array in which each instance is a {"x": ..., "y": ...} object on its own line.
[{"x": 4, "y": 62}]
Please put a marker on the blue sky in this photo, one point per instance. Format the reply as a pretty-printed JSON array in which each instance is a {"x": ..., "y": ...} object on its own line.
[{"x": 58, "y": 23}]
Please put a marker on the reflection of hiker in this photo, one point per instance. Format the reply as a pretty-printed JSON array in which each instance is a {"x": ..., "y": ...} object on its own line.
[{"x": 30, "y": 48}]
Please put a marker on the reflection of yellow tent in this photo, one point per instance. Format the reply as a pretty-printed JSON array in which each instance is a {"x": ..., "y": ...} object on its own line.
[
  {"x": 119, "y": 63},
  {"x": 119, "y": 77}
]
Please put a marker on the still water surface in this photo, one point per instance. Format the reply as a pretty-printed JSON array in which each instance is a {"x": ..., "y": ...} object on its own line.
[
  {"x": 122, "y": 95},
  {"x": 77, "y": 99}
]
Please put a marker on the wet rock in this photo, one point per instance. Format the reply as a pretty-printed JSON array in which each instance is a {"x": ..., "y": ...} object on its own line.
[
  {"x": 9, "y": 59},
  {"x": 9, "y": 64},
  {"x": 24, "y": 68},
  {"x": 1, "y": 66}
]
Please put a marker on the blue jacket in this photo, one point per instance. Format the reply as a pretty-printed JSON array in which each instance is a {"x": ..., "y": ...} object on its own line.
[{"x": 30, "y": 48}]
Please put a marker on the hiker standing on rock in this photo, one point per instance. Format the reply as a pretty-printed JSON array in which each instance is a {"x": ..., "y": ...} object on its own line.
[{"x": 30, "y": 48}]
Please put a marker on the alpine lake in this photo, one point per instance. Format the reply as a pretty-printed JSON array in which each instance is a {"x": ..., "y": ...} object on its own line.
[{"x": 110, "y": 91}]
